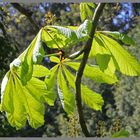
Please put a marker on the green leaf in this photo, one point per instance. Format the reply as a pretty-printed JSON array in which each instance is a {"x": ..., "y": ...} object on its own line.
[
  {"x": 5, "y": 90},
  {"x": 95, "y": 73},
  {"x": 82, "y": 11},
  {"x": 4, "y": 83},
  {"x": 121, "y": 134},
  {"x": 32, "y": 103},
  {"x": 67, "y": 36},
  {"x": 86, "y": 10},
  {"x": 67, "y": 32},
  {"x": 98, "y": 47},
  {"x": 66, "y": 96},
  {"x": 54, "y": 59},
  {"x": 40, "y": 71},
  {"x": 50, "y": 82},
  {"x": 120, "y": 36},
  {"x": 24, "y": 102},
  {"x": 106, "y": 64},
  {"x": 123, "y": 60},
  {"x": 31, "y": 55},
  {"x": 39, "y": 89},
  {"x": 15, "y": 114},
  {"x": 92, "y": 99},
  {"x": 103, "y": 57},
  {"x": 91, "y": 4},
  {"x": 89, "y": 97},
  {"x": 52, "y": 38}
]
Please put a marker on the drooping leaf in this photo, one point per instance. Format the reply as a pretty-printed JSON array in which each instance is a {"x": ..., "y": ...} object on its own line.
[
  {"x": 95, "y": 73},
  {"x": 31, "y": 55},
  {"x": 86, "y": 10},
  {"x": 121, "y": 134},
  {"x": 123, "y": 60},
  {"x": 17, "y": 116},
  {"x": 120, "y": 36},
  {"x": 89, "y": 97},
  {"x": 24, "y": 102},
  {"x": 66, "y": 96},
  {"x": 34, "y": 107},
  {"x": 39, "y": 87}
]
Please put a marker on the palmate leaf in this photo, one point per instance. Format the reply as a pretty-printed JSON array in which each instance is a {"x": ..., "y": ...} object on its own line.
[
  {"x": 25, "y": 102},
  {"x": 120, "y": 36},
  {"x": 93, "y": 72},
  {"x": 65, "y": 37},
  {"x": 123, "y": 61},
  {"x": 89, "y": 97},
  {"x": 65, "y": 95},
  {"x": 66, "y": 88}
]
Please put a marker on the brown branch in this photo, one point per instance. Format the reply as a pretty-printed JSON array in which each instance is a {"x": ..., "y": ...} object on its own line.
[
  {"x": 88, "y": 45},
  {"x": 27, "y": 13}
]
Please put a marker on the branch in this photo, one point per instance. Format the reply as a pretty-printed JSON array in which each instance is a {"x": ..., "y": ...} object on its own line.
[
  {"x": 27, "y": 13},
  {"x": 88, "y": 45}
]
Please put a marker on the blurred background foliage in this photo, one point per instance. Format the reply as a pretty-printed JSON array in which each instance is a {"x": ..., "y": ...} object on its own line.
[{"x": 19, "y": 23}]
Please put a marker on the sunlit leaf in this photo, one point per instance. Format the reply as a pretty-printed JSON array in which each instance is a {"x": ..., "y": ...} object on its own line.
[
  {"x": 95, "y": 73},
  {"x": 123, "y": 60},
  {"x": 66, "y": 96},
  {"x": 32, "y": 54},
  {"x": 120, "y": 36},
  {"x": 89, "y": 97},
  {"x": 66, "y": 37},
  {"x": 51, "y": 82},
  {"x": 103, "y": 57},
  {"x": 24, "y": 102},
  {"x": 40, "y": 71},
  {"x": 92, "y": 99},
  {"x": 54, "y": 59}
]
